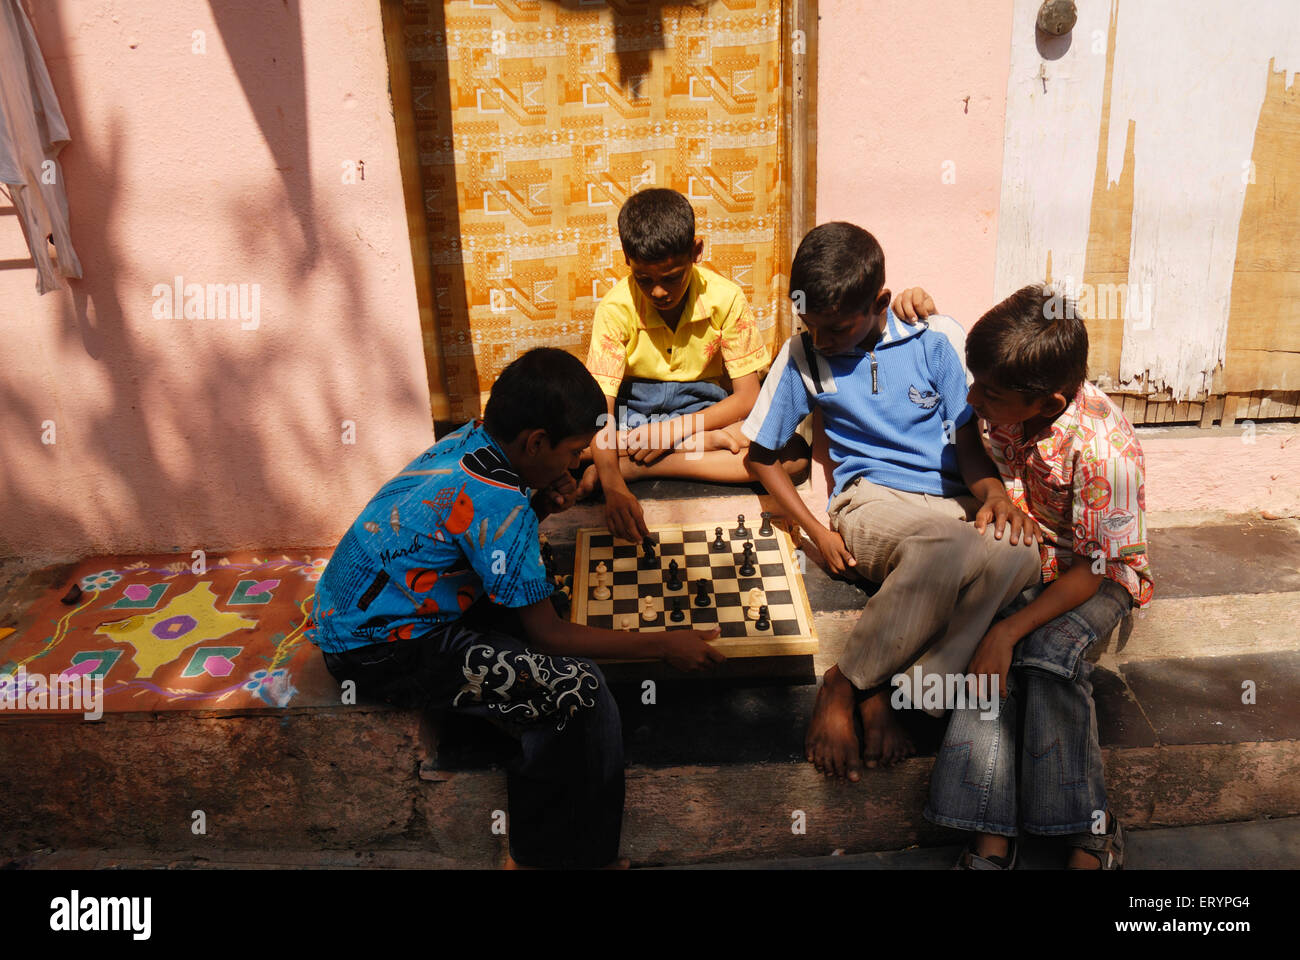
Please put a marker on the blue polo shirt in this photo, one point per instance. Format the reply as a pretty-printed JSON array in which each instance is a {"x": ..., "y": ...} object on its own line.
[
  {"x": 890, "y": 414},
  {"x": 455, "y": 524}
]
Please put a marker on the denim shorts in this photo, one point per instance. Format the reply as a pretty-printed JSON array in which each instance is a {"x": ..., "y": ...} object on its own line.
[
  {"x": 645, "y": 401},
  {"x": 1037, "y": 765}
]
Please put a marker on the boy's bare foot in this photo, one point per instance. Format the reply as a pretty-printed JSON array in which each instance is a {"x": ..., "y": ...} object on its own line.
[
  {"x": 587, "y": 485},
  {"x": 884, "y": 739},
  {"x": 711, "y": 440},
  {"x": 832, "y": 742}
]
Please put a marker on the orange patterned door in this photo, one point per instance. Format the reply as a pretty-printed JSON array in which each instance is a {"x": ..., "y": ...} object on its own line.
[{"x": 536, "y": 119}]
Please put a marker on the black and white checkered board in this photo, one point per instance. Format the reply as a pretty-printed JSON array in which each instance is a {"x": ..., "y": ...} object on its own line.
[{"x": 775, "y": 573}]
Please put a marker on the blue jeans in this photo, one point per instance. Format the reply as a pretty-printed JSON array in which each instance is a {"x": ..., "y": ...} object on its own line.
[
  {"x": 1061, "y": 780},
  {"x": 645, "y": 401}
]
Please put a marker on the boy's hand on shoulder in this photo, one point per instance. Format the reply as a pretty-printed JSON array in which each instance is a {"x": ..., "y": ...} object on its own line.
[
  {"x": 913, "y": 304},
  {"x": 831, "y": 544},
  {"x": 624, "y": 516},
  {"x": 691, "y": 650},
  {"x": 1003, "y": 514}
]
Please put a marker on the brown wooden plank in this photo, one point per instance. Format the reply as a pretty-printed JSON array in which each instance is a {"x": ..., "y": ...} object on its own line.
[
  {"x": 1230, "y": 405},
  {"x": 1262, "y": 347},
  {"x": 1211, "y": 411}
]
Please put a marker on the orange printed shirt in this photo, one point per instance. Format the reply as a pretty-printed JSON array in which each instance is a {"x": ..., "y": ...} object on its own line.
[
  {"x": 717, "y": 333},
  {"x": 1083, "y": 480}
]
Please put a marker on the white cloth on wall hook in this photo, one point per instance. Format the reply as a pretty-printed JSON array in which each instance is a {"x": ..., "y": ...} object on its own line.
[{"x": 32, "y": 132}]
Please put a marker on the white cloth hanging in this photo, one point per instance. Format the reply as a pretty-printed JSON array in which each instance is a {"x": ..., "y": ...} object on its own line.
[{"x": 32, "y": 133}]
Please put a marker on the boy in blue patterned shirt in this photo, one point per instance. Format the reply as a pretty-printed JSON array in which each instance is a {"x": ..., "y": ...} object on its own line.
[{"x": 437, "y": 597}]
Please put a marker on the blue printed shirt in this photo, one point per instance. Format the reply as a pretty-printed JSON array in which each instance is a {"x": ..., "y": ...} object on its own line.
[
  {"x": 891, "y": 414},
  {"x": 457, "y": 523}
]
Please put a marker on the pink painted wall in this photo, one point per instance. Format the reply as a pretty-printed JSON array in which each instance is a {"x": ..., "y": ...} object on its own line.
[
  {"x": 891, "y": 82},
  {"x": 219, "y": 167}
]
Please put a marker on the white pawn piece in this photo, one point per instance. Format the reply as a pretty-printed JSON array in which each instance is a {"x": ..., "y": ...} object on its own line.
[
  {"x": 602, "y": 582},
  {"x": 648, "y": 608},
  {"x": 628, "y": 622},
  {"x": 756, "y": 600}
]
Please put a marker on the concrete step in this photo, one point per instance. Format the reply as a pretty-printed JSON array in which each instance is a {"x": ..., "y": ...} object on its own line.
[
  {"x": 1253, "y": 845},
  {"x": 715, "y": 765}
]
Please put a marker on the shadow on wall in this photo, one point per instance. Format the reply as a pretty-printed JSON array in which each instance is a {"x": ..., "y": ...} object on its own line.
[{"x": 240, "y": 414}]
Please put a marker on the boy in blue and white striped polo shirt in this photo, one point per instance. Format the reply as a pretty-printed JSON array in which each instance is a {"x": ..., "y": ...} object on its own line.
[{"x": 913, "y": 491}]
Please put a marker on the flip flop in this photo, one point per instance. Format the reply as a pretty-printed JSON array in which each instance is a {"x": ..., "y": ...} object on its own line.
[{"x": 1107, "y": 848}]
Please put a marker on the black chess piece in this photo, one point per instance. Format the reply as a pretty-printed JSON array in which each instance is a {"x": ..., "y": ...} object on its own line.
[
  {"x": 701, "y": 593},
  {"x": 718, "y": 542},
  {"x": 677, "y": 616},
  {"x": 747, "y": 560},
  {"x": 674, "y": 578},
  {"x": 648, "y": 559},
  {"x": 766, "y": 529},
  {"x": 741, "y": 532},
  {"x": 762, "y": 623}
]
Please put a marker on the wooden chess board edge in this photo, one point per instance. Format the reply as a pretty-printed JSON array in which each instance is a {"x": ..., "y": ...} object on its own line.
[{"x": 788, "y": 545}]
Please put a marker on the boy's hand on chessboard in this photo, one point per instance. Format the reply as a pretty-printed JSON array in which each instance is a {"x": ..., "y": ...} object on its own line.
[
  {"x": 691, "y": 650},
  {"x": 624, "y": 516},
  {"x": 1002, "y": 513},
  {"x": 913, "y": 304},
  {"x": 831, "y": 544}
]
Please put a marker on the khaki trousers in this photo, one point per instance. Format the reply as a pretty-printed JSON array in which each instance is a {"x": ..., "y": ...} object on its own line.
[{"x": 941, "y": 582}]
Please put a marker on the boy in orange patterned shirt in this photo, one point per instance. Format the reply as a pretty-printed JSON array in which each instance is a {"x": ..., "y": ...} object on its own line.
[
  {"x": 1070, "y": 460},
  {"x": 677, "y": 353}
]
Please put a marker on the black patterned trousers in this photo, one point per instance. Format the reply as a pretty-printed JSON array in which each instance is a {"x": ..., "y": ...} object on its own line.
[{"x": 565, "y": 780}]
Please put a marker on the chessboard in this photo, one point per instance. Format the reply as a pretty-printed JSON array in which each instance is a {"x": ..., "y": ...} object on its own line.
[{"x": 789, "y": 629}]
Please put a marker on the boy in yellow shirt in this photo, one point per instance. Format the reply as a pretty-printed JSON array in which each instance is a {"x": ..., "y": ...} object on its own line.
[{"x": 677, "y": 353}]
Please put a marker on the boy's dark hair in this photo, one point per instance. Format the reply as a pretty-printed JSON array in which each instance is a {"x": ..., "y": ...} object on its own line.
[
  {"x": 1033, "y": 342},
  {"x": 839, "y": 268},
  {"x": 656, "y": 225},
  {"x": 545, "y": 388}
]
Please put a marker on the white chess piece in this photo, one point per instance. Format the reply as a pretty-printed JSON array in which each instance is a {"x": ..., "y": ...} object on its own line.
[
  {"x": 756, "y": 600},
  {"x": 648, "y": 608},
  {"x": 628, "y": 622},
  {"x": 602, "y": 582}
]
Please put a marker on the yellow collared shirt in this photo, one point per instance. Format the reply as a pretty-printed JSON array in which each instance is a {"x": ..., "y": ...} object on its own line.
[{"x": 717, "y": 333}]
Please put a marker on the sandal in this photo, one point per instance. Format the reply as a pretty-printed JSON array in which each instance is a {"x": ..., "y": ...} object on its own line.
[
  {"x": 1108, "y": 848},
  {"x": 970, "y": 860}
]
